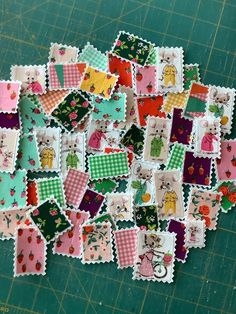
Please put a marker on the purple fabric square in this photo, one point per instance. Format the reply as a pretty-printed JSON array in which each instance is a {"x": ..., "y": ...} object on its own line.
[
  {"x": 9, "y": 120},
  {"x": 181, "y": 128},
  {"x": 179, "y": 229},
  {"x": 91, "y": 202}
]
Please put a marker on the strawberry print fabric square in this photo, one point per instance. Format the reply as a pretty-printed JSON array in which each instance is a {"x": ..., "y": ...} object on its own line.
[
  {"x": 181, "y": 129},
  {"x": 179, "y": 228},
  {"x": 62, "y": 53},
  {"x": 91, "y": 202},
  {"x": 9, "y": 95},
  {"x": 145, "y": 80},
  {"x": 50, "y": 220},
  {"x": 226, "y": 165},
  {"x": 126, "y": 243},
  {"x": 122, "y": 68},
  {"x": 149, "y": 106},
  {"x": 30, "y": 253},
  {"x": 10, "y": 120},
  {"x": 75, "y": 185},
  {"x": 8, "y": 149},
  {"x": 28, "y": 155},
  {"x": 70, "y": 242},
  {"x": 97, "y": 243}
]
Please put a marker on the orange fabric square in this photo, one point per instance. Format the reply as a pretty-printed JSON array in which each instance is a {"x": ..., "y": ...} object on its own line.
[
  {"x": 122, "y": 68},
  {"x": 149, "y": 106}
]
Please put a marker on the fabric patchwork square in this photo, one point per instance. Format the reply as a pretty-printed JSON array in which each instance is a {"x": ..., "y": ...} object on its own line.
[
  {"x": 75, "y": 185},
  {"x": 108, "y": 165},
  {"x": 122, "y": 68},
  {"x": 181, "y": 129},
  {"x": 179, "y": 228},
  {"x": 71, "y": 110},
  {"x": 98, "y": 83},
  {"x": 63, "y": 54},
  {"x": 91, "y": 202},
  {"x": 32, "y": 198},
  {"x": 9, "y": 140},
  {"x": 132, "y": 48},
  {"x": 30, "y": 252},
  {"x": 32, "y": 77},
  {"x": 146, "y": 217},
  {"x": 28, "y": 155},
  {"x": 174, "y": 101},
  {"x": 49, "y": 187},
  {"x": 9, "y": 95},
  {"x": 50, "y": 220},
  {"x": 191, "y": 73},
  {"x": 120, "y": 205},
  {"x": 93, "y": 57},
  {"x": 133, "y": 140},
  {"x": 70, "y": 242},
  {"x": 97, "y": 243},
  {"x": 149, "y": 106},
  {"x": 176, "y": 158},
  {"x": 52, "y": 99},
  {"x": 105, "y": 217},
  {"x": 10, "y": 120},
  {"x": 226, "y": 165},
  {"x": 145, "y": 80},
  {"x": 10, "y": 220},
  {"x": 195, "y": 234},
  {"x": 62, "y": 76},
  {"x": 126, "y": 243},
  {"x": 228, "y": 191},
  {"x": 103, "y": 186}
]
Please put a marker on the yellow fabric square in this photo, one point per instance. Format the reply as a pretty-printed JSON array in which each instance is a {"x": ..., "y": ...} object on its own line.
[{"x": 174, "y": 100}]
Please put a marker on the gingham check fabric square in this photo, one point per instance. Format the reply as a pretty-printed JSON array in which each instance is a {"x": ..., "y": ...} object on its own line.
[
  {"x": 51, "y": 187},
  {"x": 75, "y": 185},
  {"x": 51, "y": 100},
  {"x": 72, "y": 75},
  {"x": 108, "y": 165},
  {"x": 174, "y": 100},
  {"x": 201, "y": 96},
  {"x": 94, "y": 57},
  {"x": 176, "y": 157},
  {"x": 126, "y": 242}
]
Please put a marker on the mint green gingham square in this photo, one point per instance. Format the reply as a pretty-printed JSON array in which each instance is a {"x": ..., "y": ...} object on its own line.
[
  {"x": 51, "y": 187},
  {"x": 94, "y": 57},
  {"x": 108, "y": 165},
  {"x": 176, "y": 157}
]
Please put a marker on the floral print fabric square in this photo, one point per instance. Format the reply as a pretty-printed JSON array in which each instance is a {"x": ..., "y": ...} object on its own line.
[
  {"x": 91, "y": 202},
  {"x": 226, "y": 165},
  {"x": 149, "y": 106},
  {"x": 146, "y": 217},
  {"x": 133, "y": 140},
  {"x": 9, "y": 95},
  {"x": 228, "y": 190},
  {"x": 145, "y": 80},
  {"x": 8, "y": 149}
]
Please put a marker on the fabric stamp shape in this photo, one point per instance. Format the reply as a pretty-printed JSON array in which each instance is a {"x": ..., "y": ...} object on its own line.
[
  {"x": 32, "y": 78},
  {"x": 9, "y": 140},
  {"x": 50, "y": 220},
  {"x": 30, "y": 252},
  {"x": 72, "y": 152},
  {"x": 195, "y": 234},
  {"x": 204, "y": 205},
  {"x": 93, "y": 57},
  {"x": 126, "y": 244},
  {"x": 196, "y": 101},
  {"x": 226, "y": 165},
  {"x": 133, "y": 140},
  {"x": 141, "y": 183},
  {"x": 120, "y": 206},
  {"x": 173, "y": 100},
  {"x": 31, "y": 114},
  {"x": 181, "y": 130},
  {"x": 32, "y": 198},
  {"x": 169, "y": 70},
  {"x": 179, "y": 228},
  {"x": 220, "y": 104},
  {"x": 145, "y": 80},
  {"x": 191, "y": 73},
  {"x": 49, "y": 143},
  {"x": 52, "y": 99},
  {"x": 176, "y": 157},
  {"x": 228, "y": 191},
  {"x": 63, "y": 54},
  {"x": 149, "y": 106},
  {"x": 108, "y": 165},
  {"x": 105, "y": 217},
  {"x": 10, "y": 120},
  {"x": 197, "y": 170},
  {"x": 10, "y": 220},
  {"x": 146, "y": 217},
  {"x": 207, "y": 132},
  {"x": 75, "y": 184},
  {"x": 28, "y": 156},
  {"x": 72, "y": 110},
  {"x": 132, "y": 48},
  {"x": 91, "y": 202},
  {"x": 155, "y": 256},
  {"x": 9, "y": 95},
  {"x": 62, "y": 76},
  {"x": 169, "y": 194},
  {"x": 103, "y": 186},
  {"x": 49, "y": 187},
  {"x": 130, "y": 155},
  {"x": 70, "y": 242},
  {"x": 121, "y": 68},
  {"x": 98, "y": 83},
  {"x": 97, "y": 243},
  {"x": 113, "y": 109},
  {"x": 157, "y": 140}
]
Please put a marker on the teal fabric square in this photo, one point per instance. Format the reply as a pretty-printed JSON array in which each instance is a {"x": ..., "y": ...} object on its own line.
[
  {"x": 28, "y": 156},
  {"x": 94, "y": 57}
]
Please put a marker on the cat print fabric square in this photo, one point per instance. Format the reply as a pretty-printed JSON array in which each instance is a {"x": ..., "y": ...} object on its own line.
[
  {"x": 9, "y": 96},
  {"x": 195, "y": 234},
  {"x": 63, "y": 54},
  {"x": 120, "y": 206},
  {"x": 9, "y": 140}
]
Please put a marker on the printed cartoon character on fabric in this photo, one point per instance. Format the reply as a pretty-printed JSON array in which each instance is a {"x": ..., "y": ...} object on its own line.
[
  {"x": 158, "y": 134},
  {"x": 31, "y": 82},
  {"x": 119, "y": 207},
  {"x": 220, "y": 101},
  {"x": 193, "y": 230},
  {"x": 96, "y": 137},
  {"x": 170, "y": 197},
  {"x": 48, "y": 153},
  {"x": 143, "y": 175},
  {"x": 209, "y": 137},
  {"x": 2, "y": 142},
  {"x": 72, "y": 159},
  {"x": 169, "y": 71}
]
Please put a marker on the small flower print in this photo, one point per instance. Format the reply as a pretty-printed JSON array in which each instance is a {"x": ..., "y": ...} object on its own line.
[
  {"x": 73, "y": 115},
  {"x": 36, "y": 212}
]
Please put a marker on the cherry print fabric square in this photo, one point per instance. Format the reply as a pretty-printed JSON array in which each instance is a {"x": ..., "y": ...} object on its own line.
[
  {"x": 9, "y": 95},
  {"x": 226, "y": 165},
  {"x": 30, "y": 252},
  {"x": 125, "y": 243},
  {"x": 145, "y": 80},
  {"x": 10, "y": 120},
  {"x": 122, "y": 68},
  {"x": 75, "y": 185},
  {"x": 179, "y": 228},
  {"x": 70, "y": 242},
  {"x": 181, "y": 128},
  {"x": 97, "y": 243},
  {"x": 149, "y": 106},
  {"x": 91, "y": 202}
]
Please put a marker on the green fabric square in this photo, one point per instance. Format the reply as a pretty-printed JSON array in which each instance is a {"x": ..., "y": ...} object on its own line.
[
  {"x": 28, "y": 157},
  {"x": 176, "y": 157},
  {"x": 103, "y": 186},
  {"x": 51, "y": 187},
  {"x": 191, "y": 73},
  {"x": 134, "y": 139},
  {"x": 94, "y": 57}
]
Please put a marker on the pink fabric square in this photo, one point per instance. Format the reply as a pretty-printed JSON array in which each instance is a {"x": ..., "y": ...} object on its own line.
[
  {"x": 145, "y": 80},
  {"x": 9, "y": 95},
  {"x": 226, "y": 166},
  {"x": 54, "y": 82},
  {"x": 72, "y": 76},
  {"x": 126, "y": 242},
  {"x": 75, "y": 185}
]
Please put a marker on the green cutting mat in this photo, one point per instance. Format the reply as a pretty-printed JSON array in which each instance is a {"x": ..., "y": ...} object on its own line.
[{"x": 206, "y": 30}]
